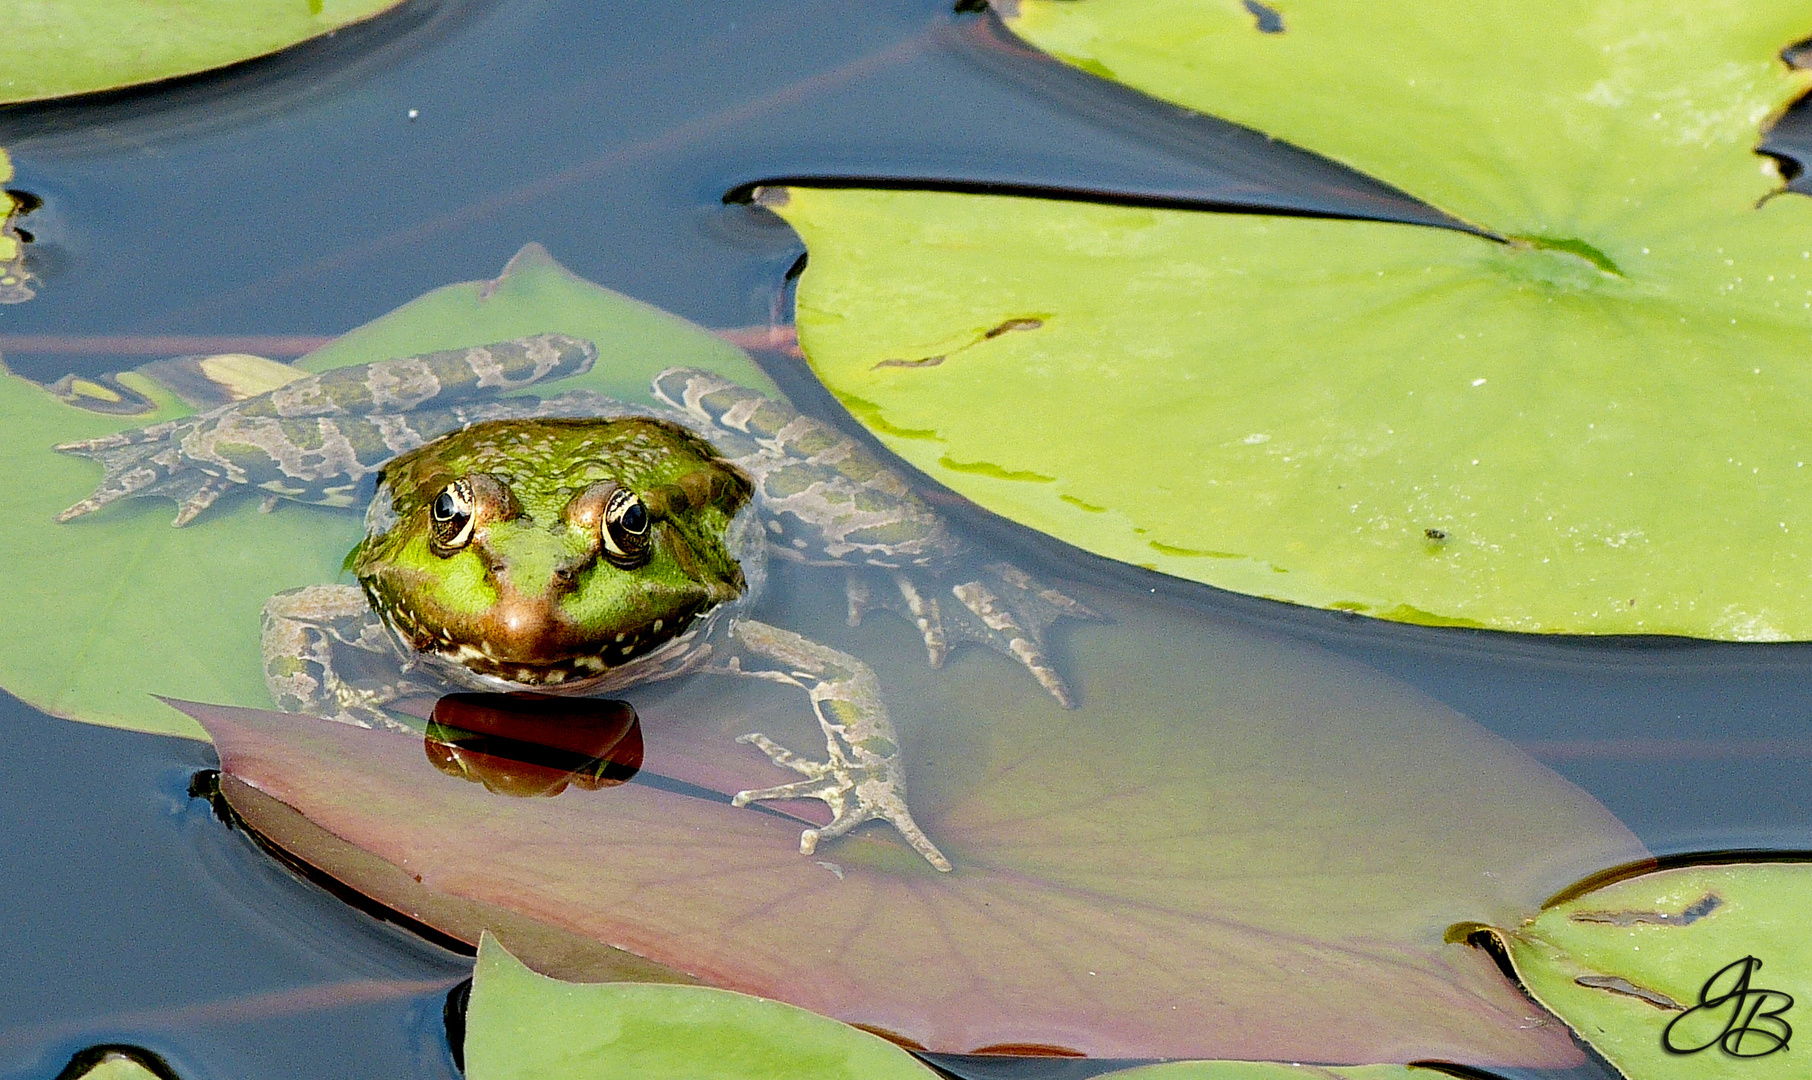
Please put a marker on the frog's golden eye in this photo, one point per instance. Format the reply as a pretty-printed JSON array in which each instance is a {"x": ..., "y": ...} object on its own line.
[
  {"x": 450, "y": 517},
  {"x": 618, "y": 520},
  {"x": 625, "y": 531}
]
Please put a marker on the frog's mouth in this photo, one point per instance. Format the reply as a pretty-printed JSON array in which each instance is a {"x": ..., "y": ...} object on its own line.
[
  {"x": 546, "y": 664},
  {"x": 528, "y": 640}
]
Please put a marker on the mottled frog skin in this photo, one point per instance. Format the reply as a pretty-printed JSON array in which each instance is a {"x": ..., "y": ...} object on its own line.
[{"x": 580, "y": 545}]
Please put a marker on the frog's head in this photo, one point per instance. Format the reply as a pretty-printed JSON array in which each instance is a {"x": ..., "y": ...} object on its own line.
[{"x": 544, "y": 552}]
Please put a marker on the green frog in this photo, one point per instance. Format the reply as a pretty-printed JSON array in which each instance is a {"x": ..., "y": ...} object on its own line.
[{"x": 580, "y": 545}]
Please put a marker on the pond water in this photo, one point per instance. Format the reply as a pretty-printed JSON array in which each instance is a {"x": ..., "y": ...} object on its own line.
[{"x": 295, "y": 197}]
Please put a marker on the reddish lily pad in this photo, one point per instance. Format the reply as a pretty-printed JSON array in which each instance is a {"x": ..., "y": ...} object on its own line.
[{"x": 1236, "y": 848}]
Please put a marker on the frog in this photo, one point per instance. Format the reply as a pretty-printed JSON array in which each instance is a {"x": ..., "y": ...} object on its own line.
[{"x": 581, "y": 545}]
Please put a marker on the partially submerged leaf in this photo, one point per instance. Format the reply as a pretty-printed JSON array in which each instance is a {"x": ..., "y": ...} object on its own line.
[
  {"x": 1597, "y": 426},
  {"x": 524, "y": 1026},
  {"x": 1680, "y": 974},
  {"x": 106, "y": 611},
  {"x": 58, "y": 47},
  {"x": 1235, "y": 848}
]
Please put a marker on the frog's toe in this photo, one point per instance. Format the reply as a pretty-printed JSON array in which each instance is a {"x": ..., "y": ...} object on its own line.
[
  {"x": 127, "y": 473},
  {"x": 822, "y": 788},
  {"x": 928, "y": 616},
  {"x": 194, "y": 493},
  {"x": 782, "y": 757},
  {"x": 906, "y": 599},
  {"x": 1014, "y": 625},
  {"x": 1052, "y": 603}
]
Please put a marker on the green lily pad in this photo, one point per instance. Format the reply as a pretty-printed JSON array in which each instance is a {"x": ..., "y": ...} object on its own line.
[
  {"x": 1236, "y": 847},
  {"x": 1595, "y": 426},
  {"x": 118, "y": 1066},
  {"x": 1685, "y": 973},
  {"x": 106, "y": 611},
  {"x": 9, "y": 244},
  {"x": 524, "y": 1026},
  {"x": 59, "y": 47},
  {"x": 15, "y": 280}
]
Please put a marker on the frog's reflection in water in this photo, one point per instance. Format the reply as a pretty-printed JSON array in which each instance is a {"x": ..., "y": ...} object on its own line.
[{"x": 528, "y": 745}]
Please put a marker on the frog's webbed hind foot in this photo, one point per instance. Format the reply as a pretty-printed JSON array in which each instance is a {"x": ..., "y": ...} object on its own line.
[
  {"x": 1004, "y": 608},
  {"x": 327, "y": 654},
  {"x": 861, "y": 780},
  {"x": 145, "y": 462}
]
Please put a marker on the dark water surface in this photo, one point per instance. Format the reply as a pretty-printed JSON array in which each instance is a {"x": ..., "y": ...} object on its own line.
[{"x": 294, "y": 196}]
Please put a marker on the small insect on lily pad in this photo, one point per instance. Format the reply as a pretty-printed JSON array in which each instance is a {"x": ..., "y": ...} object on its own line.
[
  {"x": 53, "y": 48},
  {"x": 1682, "y": 974},
  {"x": 524, "y": 1026},
  {"x": 1589, "y": 416}
]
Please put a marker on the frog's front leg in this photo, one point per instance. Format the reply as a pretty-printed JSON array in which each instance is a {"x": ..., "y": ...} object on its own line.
[
  {"x": 327, "y": 654},
  {"x": 862, "y": 779}
]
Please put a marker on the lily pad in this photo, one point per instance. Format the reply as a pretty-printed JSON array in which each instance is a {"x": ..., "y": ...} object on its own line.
[
  {"x": 1235, "y": 848},
  {"x": 524, "y": 1026},
  {"x": 15, "y": 280},
  {"x": 1587, "y": 418},
  {"x": 9, "y": 244},
  {"x": 119, "y": 1067},
  {"x": 59, "y": 47},
  {"x": 1685, "y": 973},
  {"x": 106, "y": 611}
]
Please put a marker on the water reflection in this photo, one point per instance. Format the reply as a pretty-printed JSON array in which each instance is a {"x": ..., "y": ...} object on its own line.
[{"x": 529, "y": 745}]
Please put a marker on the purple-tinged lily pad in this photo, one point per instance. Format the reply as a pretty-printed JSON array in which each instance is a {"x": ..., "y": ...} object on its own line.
[{"x": 1236, "y": 848}]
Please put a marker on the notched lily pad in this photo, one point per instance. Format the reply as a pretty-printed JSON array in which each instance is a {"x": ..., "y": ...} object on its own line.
[
  {"x": 108, "y": 610},
  {"x": 1587, "y": 418},
  {"x": 524, "y": 1026},
  {"x": 54, "y": 48},
  {"x": 1684, "y": 973}
]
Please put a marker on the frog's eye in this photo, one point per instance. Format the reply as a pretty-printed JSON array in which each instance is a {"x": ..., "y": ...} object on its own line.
[
  {"x": 450, "y": 515},
  {"x": 625, "y": 531}
]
